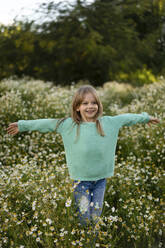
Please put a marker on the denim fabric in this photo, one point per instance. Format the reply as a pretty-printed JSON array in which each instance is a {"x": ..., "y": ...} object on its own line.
[{"x": 89, "y": 196}]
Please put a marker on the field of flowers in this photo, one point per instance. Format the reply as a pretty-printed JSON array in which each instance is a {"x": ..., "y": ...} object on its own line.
[{"x": 36, "y": 203}]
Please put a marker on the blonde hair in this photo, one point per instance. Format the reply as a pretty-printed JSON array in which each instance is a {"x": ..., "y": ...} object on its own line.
[{"x": 76, "y": 102}]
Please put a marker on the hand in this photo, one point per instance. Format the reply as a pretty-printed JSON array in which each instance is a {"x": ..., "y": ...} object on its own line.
[
  {"x": 13, "y": 128},
  {"x": 153, "y": 121}
]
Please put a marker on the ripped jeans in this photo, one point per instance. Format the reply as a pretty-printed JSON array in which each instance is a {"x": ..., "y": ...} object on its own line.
[{"x": 89, "y": 196}]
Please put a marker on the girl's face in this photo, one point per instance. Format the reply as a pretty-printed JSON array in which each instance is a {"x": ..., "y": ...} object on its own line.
[{"x": 88, "y": 108}]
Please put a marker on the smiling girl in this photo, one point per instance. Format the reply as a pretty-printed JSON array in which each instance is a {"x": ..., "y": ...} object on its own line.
[{"x": 90, "y": 142}]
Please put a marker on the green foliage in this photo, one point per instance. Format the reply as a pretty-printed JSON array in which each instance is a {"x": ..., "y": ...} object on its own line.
[
  {"x": 99, "y": 42},
  {"x": 37, "y": 208},
  {"x": 137, "y": 78}
]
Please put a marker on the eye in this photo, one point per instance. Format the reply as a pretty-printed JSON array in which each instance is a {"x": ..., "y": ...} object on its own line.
[{"x": 84, "y": 103}]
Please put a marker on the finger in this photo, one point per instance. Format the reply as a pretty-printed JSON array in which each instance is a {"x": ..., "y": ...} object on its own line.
[
  {"x": 10, "y": 133},
  {"x": 155, "y": 121},
  {"x": 11, "y": 129},
  {"x": 13, "y": 132},
  {"x": 10, "y": 126}
]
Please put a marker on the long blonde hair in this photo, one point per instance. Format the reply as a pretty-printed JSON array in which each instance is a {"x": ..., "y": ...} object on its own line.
[{"x": 76, "y": 102}]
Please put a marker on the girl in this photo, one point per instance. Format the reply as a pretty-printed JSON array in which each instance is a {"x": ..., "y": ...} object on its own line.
[{"x": 90, "y": 142}]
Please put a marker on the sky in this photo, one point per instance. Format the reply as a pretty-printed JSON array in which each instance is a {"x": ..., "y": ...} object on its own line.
[{"x": 9, "y": 9}]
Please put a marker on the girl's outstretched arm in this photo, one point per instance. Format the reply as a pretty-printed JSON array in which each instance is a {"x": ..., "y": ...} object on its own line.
[
  {"x": 13, "y": 128},
  {"x": 132, "y": 119},
  {"x": 41, "y": 125}
]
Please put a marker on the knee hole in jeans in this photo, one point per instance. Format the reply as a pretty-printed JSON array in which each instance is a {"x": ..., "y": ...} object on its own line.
[{"x": 83, "y": 204}]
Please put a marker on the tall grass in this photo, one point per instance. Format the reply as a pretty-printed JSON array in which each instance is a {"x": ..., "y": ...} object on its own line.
[{"x": 36, "y": 204}]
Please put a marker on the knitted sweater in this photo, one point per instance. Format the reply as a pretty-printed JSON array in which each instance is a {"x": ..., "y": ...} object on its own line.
[{"x": 91, "y": 156}]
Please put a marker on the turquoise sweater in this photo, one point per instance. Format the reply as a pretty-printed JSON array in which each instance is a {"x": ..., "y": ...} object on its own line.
[{"x": 91, "y": 157}]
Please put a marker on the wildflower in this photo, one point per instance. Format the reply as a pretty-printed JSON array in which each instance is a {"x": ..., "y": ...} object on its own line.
[
  {"x": 68, "y": 202},
  {"x": 34, "y": 205},
  {"x": 33, "y": 229},
  {"x": 149, "y": 197},
  {"x": 113, "y": 218},
  {"x": 38, "y": 239},
  {"x": 49, "y": 221},
  {"x": 113, "y": 210},
  {"x": 5, "y": 239},
  {"x": 52, "y": 228},
  {"x": 73, "y": 232},
  {"x": 39, "y": 232},
  {"x": 106, "y": 204},
  {"x": 61, "y": 234}
]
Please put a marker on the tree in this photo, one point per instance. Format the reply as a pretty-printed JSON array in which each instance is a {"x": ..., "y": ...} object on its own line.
[{"x": 96, "y": 42}]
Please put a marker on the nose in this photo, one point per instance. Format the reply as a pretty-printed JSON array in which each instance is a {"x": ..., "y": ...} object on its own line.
[{"x": 90, "y": 105}]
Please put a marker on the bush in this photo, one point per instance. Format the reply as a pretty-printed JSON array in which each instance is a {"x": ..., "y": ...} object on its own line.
[{"x": 137, "y": 78}]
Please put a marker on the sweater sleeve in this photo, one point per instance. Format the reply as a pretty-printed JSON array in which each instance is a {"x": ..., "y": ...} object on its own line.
[
  {"x": 41, "y": 125},
  {"x": 131, "y": 119}
]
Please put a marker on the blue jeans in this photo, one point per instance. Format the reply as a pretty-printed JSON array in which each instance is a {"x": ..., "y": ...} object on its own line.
[{"x": 89, "y": 196}]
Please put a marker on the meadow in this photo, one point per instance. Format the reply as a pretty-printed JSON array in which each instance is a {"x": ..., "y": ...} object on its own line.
[{"x": 36, "y": 203}]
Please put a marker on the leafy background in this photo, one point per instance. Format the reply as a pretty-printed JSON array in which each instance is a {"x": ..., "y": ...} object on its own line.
[{"x": 103, "y": 41}]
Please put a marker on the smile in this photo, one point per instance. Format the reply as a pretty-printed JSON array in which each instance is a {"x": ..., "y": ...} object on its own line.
[{"x": 90, "y": 111}]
